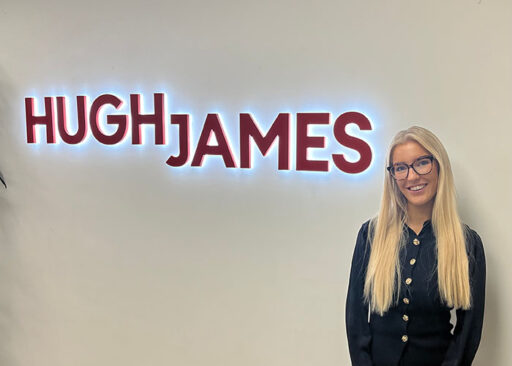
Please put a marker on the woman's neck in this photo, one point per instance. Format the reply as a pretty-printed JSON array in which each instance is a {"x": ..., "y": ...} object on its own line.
[{"x": 417, "y": 215}]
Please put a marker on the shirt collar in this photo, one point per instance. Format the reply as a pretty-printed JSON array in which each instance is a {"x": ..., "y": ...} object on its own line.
[{"x": 427, "y": 227}]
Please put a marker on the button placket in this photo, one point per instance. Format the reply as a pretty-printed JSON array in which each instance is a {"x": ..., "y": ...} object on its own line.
[
  {"x": 412, "y": 254},
  {"x": 413, "y": 248}
]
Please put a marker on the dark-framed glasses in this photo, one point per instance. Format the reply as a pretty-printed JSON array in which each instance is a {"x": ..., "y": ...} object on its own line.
[{"x": 422, "y": 166}]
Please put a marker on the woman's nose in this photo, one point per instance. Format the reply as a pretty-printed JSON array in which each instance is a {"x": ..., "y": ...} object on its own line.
[{"x": 412, "y": 174}]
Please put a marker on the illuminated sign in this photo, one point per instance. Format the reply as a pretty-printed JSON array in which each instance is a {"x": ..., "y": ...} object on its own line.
[{"x": 89, "y": 122}]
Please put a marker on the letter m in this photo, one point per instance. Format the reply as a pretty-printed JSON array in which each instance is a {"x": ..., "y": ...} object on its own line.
[{"x": 280, "y": 128}]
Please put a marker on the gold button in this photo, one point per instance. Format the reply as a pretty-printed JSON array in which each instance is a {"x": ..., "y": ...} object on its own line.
[
  {"x": 405, "y": 318},
  {"x": 406, "y": 300},
  {"x": 416, "y": 241},
  {"x": 405, "y": 338},
  {"x": 408, "y": 281},
  {"x": 412, "y": 261}
]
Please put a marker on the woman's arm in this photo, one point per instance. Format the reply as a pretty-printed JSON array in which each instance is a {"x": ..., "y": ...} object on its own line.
[
  {"x": 356, "y": 310},
  {"x": 466, "y": 336}
]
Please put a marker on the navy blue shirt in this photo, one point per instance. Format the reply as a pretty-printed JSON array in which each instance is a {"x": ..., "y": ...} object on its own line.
[{"x": 416, "y": 331}]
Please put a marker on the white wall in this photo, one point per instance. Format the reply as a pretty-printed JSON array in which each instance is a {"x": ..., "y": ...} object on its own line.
[{"x": 110, "y": 257}]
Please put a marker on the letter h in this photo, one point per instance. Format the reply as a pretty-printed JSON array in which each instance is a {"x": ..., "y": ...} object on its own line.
[{"x": 47, "y": 119}]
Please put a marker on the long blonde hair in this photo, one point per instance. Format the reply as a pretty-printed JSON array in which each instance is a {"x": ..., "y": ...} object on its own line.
[{"x": 382, "y": 284}]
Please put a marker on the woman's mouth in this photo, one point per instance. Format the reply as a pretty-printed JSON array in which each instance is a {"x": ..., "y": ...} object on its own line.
[{"x": 417, "y": 188}]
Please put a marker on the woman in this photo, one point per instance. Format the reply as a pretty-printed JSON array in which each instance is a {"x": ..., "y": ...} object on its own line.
[{"x": 413, "y": 263}]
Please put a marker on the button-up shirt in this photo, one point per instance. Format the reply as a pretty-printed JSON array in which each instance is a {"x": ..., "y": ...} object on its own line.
[{"x": 416, "y": 330}]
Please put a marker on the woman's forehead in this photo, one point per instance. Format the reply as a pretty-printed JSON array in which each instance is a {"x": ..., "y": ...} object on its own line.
[{"x": 408, "y": 152}]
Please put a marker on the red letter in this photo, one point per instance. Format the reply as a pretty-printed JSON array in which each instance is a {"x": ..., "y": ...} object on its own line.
[
  {"x": 156, "y": 119},
  {"x": 81, "y": 132},
  {"x": 120, "y": 120},
  {"x": 182, "y": 121},
  {"x": 352, "y": 142},
  {"x": 212, "y": 124},
  {"x": 304, "y": 141},
  {"x": 46, "y": 120},
  {"x": 280, "y": 127}
]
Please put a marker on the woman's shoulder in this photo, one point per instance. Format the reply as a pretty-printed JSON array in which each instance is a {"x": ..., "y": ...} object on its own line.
[
  {"x": 362, "y": 247},
  {"x": 474, "y": 242},
  {"x": 365, "y": 228},
  {"x": 366, "y": 225},
  {"x": 365, "y": 233}
]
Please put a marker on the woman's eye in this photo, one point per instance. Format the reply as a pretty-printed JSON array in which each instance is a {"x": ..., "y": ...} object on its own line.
[
  {"x": 400, "y": 168},
  {"x": 423, "y": 162}
]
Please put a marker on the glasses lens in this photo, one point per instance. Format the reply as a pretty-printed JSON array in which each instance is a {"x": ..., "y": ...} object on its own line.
[
  {"x": 423, "y": 166},
  {"x": 399, "y": 171}
]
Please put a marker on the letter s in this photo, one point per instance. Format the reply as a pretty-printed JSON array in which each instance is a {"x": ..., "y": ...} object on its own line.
[{"x": 352, "y": 142}]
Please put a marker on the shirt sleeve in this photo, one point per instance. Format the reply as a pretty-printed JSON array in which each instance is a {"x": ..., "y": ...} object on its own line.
[
  {"x": 466, "y": 336},
  {"x": 356, "y": 310}
]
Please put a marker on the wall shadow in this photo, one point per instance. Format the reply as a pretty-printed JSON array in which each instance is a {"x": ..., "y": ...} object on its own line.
[
  {"x": 10, "y": 280},
  {"x": 472, "y": 213}
]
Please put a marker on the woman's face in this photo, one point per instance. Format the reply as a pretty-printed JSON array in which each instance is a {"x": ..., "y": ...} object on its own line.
[{"x": 419, "y": 190}]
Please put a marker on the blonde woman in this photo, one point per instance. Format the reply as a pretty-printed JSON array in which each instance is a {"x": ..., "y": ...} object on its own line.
[{"x": 413, "y": 263}]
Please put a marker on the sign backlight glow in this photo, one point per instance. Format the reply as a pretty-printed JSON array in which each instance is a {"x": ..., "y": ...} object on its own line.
[{"x": 88, "y": 122}]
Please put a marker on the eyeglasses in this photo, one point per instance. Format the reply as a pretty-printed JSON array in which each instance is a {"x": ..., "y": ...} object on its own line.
[{"x": 422, "y": 166}]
